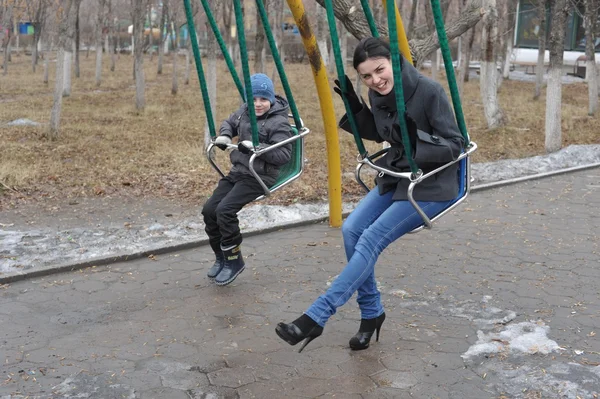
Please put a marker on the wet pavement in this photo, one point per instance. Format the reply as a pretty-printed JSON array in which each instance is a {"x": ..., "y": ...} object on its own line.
[{"x": 500, "y": 300}]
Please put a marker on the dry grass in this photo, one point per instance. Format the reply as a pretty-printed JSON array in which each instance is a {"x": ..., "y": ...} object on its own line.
[{"x": 107, "y": 148}]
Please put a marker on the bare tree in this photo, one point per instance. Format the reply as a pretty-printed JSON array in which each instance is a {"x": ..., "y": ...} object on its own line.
[
  {"x": 7, "y": 11},
  {"x": 431, "y": 28},
  {"x": 412, "y": 19},
  {"x": 228, "y": 21},
  {"x": 465, "y": 47},
  {"x": 172, "y": 22},
  {"x": 151, "y": 33},
  {"x": 591, "y": 15},
  {"x": 69, "y": 47},
  {"x": 99, "y": 28},
  {"x": 259, "y": 42},
  {"x": 560, "y": 10},
  {"x": 539, "y": 73},
  {"x": 511, "y": 13},
  {"x": 488, "y": 85},
  {"x": 322, "y": 34},
  {"x": 77, "y": 45},
  {"x": 138, "y": 15},
  {"x": 65, "y": 34},
  {"x": 279, "y": 6},
  {"x": 46, "y": 62},
  {"x": 37, "y": 12},
  {"x": 111, "y": 36},
  {"x": 212, "y": 50},
  {"x": 188, "y": 62},
  {"x": 161, "y": 39}
]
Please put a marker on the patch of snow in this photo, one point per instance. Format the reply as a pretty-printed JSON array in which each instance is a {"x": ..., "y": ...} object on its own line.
[
  {"x": 571, "y": 156},
  {"x": 525, "y": 337},
  {"x": 23, "y": 122}
]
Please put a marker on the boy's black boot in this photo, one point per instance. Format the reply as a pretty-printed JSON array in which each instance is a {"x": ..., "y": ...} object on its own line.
[
  {"x": 219, "y": 262},
  {"x": 233, "y": 265}
]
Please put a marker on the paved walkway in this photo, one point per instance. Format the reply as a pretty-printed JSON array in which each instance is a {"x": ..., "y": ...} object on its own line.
[{"x": 501, "y": 300}]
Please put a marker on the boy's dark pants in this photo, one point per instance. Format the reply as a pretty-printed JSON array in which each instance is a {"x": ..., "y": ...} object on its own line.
[{"x": 233, "y": 192}]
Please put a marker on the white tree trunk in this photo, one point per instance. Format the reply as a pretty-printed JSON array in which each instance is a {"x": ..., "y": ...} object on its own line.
[
  {"x": 113, "y": 56},
  {"x": 466, "y": 43},
  {"x": 99, "y": 23},
  {"x": 435, "y": 65},
  {"x": 591, "y": 70},
  {"x": 58, "y": 93},
  {"x": 174, "y": 81},
  {"x": 553, "y": 130},
  {"x": 46, "y": 62},
  {"x": 507, "y": 60},
  {"x": 322, "y": 34},
  {"x": 186, "y": 79},
  {"x": 553, "y": 110},
  {"x": 539, "y": 73},
  {"x": 138, "y": 35},
  {"x": 488, "y": 85},
  {"x": 161, "y": 38},
  {"x": 98, "y": 64},
  {"x": 66, "y": 32},
  {"x": 68, "y": 66}
]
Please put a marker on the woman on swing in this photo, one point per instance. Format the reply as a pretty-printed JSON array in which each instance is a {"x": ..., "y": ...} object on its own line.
[{"x": 385, "y": 214}]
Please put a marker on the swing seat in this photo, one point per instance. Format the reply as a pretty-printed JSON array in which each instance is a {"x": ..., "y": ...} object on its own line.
[
  {"x": 287, "y": 173},
  {"x": 294, "y": 168},
  {"x": 464, "y": 182}
]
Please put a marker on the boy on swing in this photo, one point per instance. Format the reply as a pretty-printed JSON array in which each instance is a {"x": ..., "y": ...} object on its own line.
[{"x": 240, "y": 187}]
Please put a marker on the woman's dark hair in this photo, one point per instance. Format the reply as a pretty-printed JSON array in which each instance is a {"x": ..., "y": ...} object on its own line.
[{"x": 371, "y": 47}]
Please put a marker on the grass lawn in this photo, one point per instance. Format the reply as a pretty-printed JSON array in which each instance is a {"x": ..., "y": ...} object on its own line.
[{"x": 107, "y": 148}]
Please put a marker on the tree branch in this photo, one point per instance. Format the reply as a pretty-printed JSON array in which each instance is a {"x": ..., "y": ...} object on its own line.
[{"x": 354, "y": 20}]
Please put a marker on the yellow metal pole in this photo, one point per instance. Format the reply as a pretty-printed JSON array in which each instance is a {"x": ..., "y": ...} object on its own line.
[
  {"x": 402, "y": 40},
  {"x": 327, "y": 111}
]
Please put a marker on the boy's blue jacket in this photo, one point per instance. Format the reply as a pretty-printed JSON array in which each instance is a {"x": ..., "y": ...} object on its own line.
[{"x": 273, "y": 127}]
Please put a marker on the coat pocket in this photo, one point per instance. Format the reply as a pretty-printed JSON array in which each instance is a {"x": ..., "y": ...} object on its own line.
[
  {"x": 429, "y": 138},
  {"x": 431, "y": 150}
]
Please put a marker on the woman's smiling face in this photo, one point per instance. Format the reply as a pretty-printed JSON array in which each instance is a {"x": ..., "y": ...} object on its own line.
[{"x": 377, "y": 74}]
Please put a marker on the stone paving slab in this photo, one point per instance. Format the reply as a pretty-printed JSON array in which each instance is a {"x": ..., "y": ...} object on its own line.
[{"x": 501, "y": 300}]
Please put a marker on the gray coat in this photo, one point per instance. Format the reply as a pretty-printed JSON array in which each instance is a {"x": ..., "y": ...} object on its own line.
[
  {"x": 273, "y": 127},
  {"x": 439, "y": 141}
]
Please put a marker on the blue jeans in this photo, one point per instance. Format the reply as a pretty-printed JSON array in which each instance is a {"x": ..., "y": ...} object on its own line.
[{"x": 376, "y": 222}]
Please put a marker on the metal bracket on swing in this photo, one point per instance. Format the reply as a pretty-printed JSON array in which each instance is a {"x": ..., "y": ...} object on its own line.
[{"x": 418, "y": 178}]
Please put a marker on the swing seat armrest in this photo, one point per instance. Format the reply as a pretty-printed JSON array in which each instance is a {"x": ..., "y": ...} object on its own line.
[
  {"x": 259, "y": 151},
  {"x": 419, "y": 177}
]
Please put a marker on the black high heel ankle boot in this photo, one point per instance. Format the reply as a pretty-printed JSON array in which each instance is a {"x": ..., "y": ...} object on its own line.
[
  {"x": 362, "y": 338},
  {"x": 303, "y": 328}
]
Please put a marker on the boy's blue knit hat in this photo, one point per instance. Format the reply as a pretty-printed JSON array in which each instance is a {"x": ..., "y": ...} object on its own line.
[{"x": 262, "y": 86}]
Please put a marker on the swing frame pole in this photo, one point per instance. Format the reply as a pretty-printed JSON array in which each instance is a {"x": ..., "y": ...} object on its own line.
[{"x": 327, "y": 111}]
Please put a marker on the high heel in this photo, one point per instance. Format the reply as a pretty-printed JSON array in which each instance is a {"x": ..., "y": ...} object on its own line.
[
  {"x": 362, "y": 338},
  {"x": 292, "y": 333}
]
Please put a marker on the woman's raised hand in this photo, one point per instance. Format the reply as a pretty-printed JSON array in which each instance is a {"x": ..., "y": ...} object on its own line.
[{"x": 349, "y": 93}]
